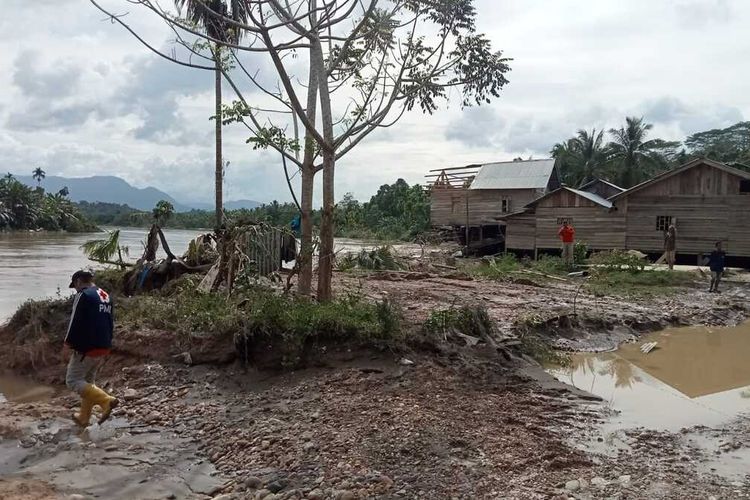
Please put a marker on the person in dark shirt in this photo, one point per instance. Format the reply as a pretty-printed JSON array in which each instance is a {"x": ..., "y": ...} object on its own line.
[
  {"x": 716, "y": 262},
  {"x": 670, "y": 246},
  {"x": 90, "y": 337}
]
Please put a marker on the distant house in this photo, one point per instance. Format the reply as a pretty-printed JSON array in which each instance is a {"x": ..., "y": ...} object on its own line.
[
  {"x": 706, "y": 200},
  {"x": 475, "y": 197}
]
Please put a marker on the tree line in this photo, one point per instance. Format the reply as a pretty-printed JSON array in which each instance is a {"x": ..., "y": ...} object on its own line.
[
  {"x": 26, "y": 208},
  {"x": 397, "y": 211},
  {"x": 629, "y": 156}
]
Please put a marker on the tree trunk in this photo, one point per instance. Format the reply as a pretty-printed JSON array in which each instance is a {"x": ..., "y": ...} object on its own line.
[
  {"x": 306, "y": 248},
  {"x": 306, "y": 196},
  {"x": 219, "y": 178},
  {"x": 325, "y": 260}
]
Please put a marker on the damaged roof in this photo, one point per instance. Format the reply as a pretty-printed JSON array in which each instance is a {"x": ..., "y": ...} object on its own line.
[{"x": 527, "y": 174}]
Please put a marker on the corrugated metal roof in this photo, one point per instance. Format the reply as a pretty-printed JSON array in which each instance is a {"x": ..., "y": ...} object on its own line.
[
  {"x": 583, "y": 188},
  {"x": 528, "y": 174},
  {"x": 591, "y": 196}
]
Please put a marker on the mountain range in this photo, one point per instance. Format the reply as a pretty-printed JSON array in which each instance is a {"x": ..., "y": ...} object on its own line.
[{"x": 111, "y": 189}]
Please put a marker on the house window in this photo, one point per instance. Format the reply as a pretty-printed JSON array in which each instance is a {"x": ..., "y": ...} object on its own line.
[
  {"x": 456, "y": 204},
  {"x": 505, "y": 205},
  {"x": 745, "y": 186},
  {"x": 563, "y": 220},
  {"x": 663, "y": 222}
]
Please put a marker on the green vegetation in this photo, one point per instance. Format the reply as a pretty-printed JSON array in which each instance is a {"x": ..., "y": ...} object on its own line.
[
  {"x": 729, "y": 145},
  {"x": 103, "y": 250},
  {"x": 614, "y": 273},
  {"x": 631, "y": 157},
  {"x": 396, "y": 212},
  {"x": 378, "y": 259},
  {"x": 286, "y": 322},
  {"x": 638, "y": 284},
  {"x": 25, "y": 208},
  {"x": 507, "y": 266},
  {"x": 472, "y": 321}
]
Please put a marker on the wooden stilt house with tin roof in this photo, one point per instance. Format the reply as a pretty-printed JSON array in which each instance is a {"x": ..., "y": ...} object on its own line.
[
  {"x": 707, "y": 201},
  {"x": 473, "y": 199}
]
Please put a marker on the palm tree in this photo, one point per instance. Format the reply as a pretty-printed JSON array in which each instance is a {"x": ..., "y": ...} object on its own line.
[
  {"x": 635, "y": 157},
  {"x": 202, "y": 13},
  {"x": 582, "y": 158},
  {"x": 162, "y": 212},
  {"x": 39, "y": 174}
]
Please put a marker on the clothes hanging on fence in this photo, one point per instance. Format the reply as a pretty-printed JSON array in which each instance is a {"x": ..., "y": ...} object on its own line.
[{"x": 288, "y": 247}]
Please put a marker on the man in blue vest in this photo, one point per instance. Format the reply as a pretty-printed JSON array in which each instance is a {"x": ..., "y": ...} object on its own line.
[{"x": 90, "y": 337}]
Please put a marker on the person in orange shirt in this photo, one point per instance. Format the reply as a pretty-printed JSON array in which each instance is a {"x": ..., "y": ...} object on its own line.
[{"x": 568, "y": 237}]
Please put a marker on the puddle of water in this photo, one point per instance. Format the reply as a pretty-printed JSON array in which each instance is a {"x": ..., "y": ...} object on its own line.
[
  {"x": 20, "y": 390},
  {"x": 695, "y": 376}
]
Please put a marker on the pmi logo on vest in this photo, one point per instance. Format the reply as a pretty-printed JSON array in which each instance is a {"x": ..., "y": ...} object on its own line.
[{"x": 105, "y": 306}]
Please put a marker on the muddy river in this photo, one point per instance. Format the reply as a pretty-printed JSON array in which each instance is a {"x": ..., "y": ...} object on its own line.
[
  {"x": 694, "y": 376},
  {"x": 37, "y": 265}
]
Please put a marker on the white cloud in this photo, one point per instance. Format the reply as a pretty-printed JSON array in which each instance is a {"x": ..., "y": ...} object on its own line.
[{"x": 82, "y": 97}]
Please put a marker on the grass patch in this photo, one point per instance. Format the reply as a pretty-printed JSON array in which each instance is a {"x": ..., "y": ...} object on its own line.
[
  {"x": 507, "y": 266},
  {"x": 639, "y": 284}
]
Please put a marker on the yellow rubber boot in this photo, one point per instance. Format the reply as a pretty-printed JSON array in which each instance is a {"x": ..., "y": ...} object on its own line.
[
  {"x": 84, "y": 416},
  {"x": 106, "y": 402}
]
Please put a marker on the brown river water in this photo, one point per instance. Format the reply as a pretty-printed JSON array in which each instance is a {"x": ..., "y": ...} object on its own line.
[
  {"x": 694, "y": 376},
  {"x": 38, "y": 265}
]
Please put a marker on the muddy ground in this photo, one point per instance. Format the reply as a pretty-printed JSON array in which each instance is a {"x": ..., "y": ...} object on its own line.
[{"x": 453, "y": 421}]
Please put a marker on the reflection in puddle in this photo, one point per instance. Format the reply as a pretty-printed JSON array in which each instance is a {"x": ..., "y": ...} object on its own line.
[
  {"x": 695, "y": 376},
  {"x": 20, "y": 390}
]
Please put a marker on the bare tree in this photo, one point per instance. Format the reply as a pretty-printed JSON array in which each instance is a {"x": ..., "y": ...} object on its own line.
[{"x": 359, "y": 65}]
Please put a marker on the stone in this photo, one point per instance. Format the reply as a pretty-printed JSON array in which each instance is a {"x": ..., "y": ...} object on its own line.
[
  {"x": 599, "y": 482},
  {"x": 406, "y": 362},
  {"x": 316, "y": 494},
  {"x": 253, "y": 482},
  {"x": 624, "y": 479},
  {"x": 75, "y": 497},
  {"x": 262, "y": 494},
  {"x": 573, "y": 485},
  {"x": 345, "y": 495},
  {"x": 224, "y": 497},
  {"x": 276, "y": 486},
  {"x": 130, "y": 394},
  {"x": 386, "y": 481},
  {"x": 309, "y": 446}
]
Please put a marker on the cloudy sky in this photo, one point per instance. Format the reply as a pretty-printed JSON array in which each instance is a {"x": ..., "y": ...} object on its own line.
[{"x": 81, "y": 97}]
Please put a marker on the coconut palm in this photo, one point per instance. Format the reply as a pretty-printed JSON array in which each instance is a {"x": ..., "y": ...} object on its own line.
[
  {"x": 635, "y": 157},
  {"x": 203, "y": 13},
  {"x": 582, "y": 158},
  {"x": 162, "y": 212},
  {"x": 39, "y": 174}
]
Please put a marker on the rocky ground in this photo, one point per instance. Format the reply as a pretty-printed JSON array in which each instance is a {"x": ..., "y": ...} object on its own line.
[{"x": 455, "y": 422}]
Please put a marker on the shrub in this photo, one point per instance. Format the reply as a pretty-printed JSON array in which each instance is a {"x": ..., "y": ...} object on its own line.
[
  {"x": 378, "y": 259},
  {"x": 617, "y": 260},
  {"x": 473, "y": 321},
  {"x": 580, "y": 252}
]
